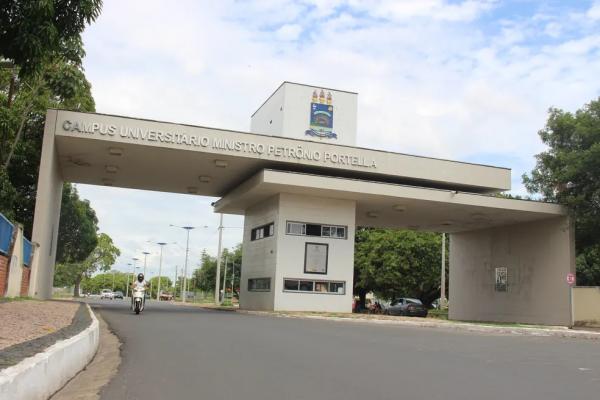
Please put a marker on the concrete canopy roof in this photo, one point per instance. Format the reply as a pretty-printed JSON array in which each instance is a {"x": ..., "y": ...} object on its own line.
[
  {"x": 133, "y": 153},
  {"x": 385, "y": 205}
]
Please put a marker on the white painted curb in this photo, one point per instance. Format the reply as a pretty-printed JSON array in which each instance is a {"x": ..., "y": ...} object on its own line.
[{"x": 40, "y": 376}]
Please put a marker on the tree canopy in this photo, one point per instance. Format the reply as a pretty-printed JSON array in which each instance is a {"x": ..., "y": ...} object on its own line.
[
  {"x": 77, "y": 234},
  {"x": 102, "y": 257},
  {"x": 393, "y": 263},
  {"x": 40, "y": 68},
  {"x": 33, "y": 31},
  {"x": 205, "y": 276},
  {"x": 568, "y": 172}
]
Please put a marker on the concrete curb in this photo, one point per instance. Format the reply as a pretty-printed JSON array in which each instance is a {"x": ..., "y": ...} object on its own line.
[
  {"x": 40, "y": 376},
  {"x": 455, "y": 326}
]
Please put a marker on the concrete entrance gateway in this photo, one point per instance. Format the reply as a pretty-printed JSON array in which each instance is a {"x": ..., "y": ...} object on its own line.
[{"x": 303, "y": 188}]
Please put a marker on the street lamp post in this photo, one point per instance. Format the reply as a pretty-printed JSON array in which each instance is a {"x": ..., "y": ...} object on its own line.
[
  {"x": 161, "y": 244},
  {"x": 218, "y": 280},
  {"x": 224, "y": 281},
  {"x": 145, "y": 253},
  {"x": 134, "y": 261},
  {"x": 187, "y": 251},
  {"x": 442, "y": 302},
  {"x": 127, "y": 287}
]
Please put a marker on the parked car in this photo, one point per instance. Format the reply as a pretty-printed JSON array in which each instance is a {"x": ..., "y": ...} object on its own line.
[
  {"x": 118, "y": 295},
  {"x": 107, "y": 294},
  {"x": 166, "y": 296},
  {"x": 408, "y": 307}
]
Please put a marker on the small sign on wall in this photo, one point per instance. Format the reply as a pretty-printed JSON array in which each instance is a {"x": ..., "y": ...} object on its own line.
[{"x": 315, "y": 258}]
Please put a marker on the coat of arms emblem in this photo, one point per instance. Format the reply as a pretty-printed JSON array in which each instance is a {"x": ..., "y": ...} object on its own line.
[{"x": 321, "y": 116}]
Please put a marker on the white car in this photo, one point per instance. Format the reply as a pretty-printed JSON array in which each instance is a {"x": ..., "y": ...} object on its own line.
[{"x": 107, "y": 294}]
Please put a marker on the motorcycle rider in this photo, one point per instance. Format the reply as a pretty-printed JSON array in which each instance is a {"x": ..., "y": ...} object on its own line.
[{"x": 140, "y": 283}]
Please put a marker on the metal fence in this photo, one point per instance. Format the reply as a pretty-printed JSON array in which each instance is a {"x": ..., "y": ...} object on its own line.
[{"x": 6, "y": 233}]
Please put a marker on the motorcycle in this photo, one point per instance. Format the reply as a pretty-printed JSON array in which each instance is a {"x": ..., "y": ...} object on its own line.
[{"x": 137, "y": 304}]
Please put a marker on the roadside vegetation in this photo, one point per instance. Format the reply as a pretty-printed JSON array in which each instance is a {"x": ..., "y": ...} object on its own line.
[
  {"x": 568, "y": 172},
  {"x": 41, "y": 53}
]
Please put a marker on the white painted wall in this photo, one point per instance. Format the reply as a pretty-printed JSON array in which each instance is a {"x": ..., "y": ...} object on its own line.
[
  {"x": 291, "y": 249},
  {"x": 287, "y": 113},
  {"x": 15, "y": 265},
  {"x": 538, "y": 256},
  {"x": 268, "y": 119},
  {"x": 259, "y": 257}
]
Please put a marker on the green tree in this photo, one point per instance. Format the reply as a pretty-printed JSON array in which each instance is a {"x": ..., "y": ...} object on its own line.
[
  {"x": 205, "y": 276},
  {"x": 568, "y": 172},
  {"x": 77, "y": 232},
  {"x": 33, "y": 31},
  {"x": 40, "y": 68},
  {"x": 394, "y": 264},
  {"x": 101, "y": 258},
  {"x": 96, "y": 283}
]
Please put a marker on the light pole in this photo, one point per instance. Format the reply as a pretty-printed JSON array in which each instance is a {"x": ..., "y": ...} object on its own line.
[
  {"x": 127, "y": 287},
  {"x": 443, "y": 283},
  {"x": 134, "y": 261},
  {"x": 161, "y": 244},
  {"x": 187, "y": 251},
  {"x": 145, "y": 253},
  {"x": 224, "y": 280},
  {"x": 113, "y": 285},
  {"x": 218, "y": 280}
]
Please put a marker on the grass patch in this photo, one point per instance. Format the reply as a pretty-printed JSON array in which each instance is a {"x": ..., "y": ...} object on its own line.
[
  {"x": 438, "y": 314},
  {"x": 18, "y": 298}
]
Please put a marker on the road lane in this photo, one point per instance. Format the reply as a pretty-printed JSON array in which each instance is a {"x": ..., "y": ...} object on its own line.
[{"x": 174, "y": 352}]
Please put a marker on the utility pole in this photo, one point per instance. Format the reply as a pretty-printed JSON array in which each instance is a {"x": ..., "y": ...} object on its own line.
[
  {"x": 161, "y": 244},
  {"x": 113, "y": 285},
  {"x": 145, "y": 253},
  {"x": 224, "y": 279},
  {"x": 187, "y": 251},
  {"x": 134, "y": 260},
  {"x": 443, "y": 284},
  {"x": 127, "y": 287},
  {"x": 218, "y": 277},
  {"x": 175, "y": 284},
  {"x": 232, "y": 280}
]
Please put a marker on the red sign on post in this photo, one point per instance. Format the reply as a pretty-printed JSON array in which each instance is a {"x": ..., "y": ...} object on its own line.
[{"x": 570, "y": 278}]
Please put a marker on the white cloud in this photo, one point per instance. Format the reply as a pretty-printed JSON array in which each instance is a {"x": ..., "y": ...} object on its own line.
[
  {"x": 289, "y": 32},
  {"x": 432, "y": 79},
  {"x": 594, "y": 11}
]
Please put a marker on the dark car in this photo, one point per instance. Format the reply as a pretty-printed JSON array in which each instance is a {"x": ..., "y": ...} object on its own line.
[
  {"x": 118, "y": 295},
  {"x": 408, "y": 307}
]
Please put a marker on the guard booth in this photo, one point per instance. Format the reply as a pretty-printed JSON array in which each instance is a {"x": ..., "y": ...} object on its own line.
[{"x": 303, "y": 187}]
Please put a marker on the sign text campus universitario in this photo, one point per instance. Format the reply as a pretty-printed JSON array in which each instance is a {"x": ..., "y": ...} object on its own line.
[{"x": 300, "y": 152}]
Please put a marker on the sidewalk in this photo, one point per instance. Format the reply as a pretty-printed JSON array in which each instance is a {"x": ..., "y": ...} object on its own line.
[
  {"x": 24, "y": 320},
  {"x": 29, "y": 327},
  {"x": 479, "y": 327}
]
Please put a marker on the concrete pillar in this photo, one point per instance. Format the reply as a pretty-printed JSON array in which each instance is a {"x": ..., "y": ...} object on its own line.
[
  {"x": 47, "y": 213},
  {"x": 537, "y": 257},
  {"x": 35, "y": 257},
  {"x": 15, "y": 272}
]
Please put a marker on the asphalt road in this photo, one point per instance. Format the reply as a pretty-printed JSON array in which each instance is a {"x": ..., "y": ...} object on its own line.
[{"x": 174, "y": 352}]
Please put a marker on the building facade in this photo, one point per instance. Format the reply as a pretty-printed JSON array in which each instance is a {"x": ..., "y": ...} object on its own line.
[{"x": 304, "y": 187}]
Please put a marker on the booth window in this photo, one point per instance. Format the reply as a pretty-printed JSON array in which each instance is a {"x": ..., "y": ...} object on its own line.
[
  {"x": 319, "y": 230},
  {"x": 259, "y": 285},
  {"x": 262, "y": 231},
  {"x": 320, "y": 287}
]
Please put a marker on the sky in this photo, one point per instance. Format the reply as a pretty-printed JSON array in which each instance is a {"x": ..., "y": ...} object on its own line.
[{"x": 463, "y": 80}]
